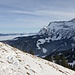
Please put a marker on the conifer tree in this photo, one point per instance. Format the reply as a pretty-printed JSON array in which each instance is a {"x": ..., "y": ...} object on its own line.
[
  {"x": 51, "y": 58},
  {"x": 57, "y": 59},
  {"x": 64, "y": 62}
]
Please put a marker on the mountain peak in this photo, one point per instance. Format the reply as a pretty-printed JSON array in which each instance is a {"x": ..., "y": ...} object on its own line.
[{"x": 61, "y": 28}]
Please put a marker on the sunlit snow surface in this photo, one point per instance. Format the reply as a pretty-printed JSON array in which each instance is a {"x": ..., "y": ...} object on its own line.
[{"x": 16, "y": 62}]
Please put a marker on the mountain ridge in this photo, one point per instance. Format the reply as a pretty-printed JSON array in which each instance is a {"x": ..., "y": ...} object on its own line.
[{"x": 58, "y": 26}]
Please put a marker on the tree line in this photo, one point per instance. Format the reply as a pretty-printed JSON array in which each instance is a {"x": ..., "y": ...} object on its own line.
[{"x": 61, "y": 60}]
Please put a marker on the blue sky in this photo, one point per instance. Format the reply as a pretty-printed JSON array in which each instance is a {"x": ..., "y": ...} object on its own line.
[{"x": 31, "y": 15}]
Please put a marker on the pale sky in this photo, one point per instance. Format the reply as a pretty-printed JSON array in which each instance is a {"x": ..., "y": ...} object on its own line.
[{"x": 18, "y": 16}]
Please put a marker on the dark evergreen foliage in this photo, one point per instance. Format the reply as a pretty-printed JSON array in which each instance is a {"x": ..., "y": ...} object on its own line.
[
  {"x": 57, "y": 59},
  {"x": 74, "y": 67},
  {"x": 31, "y": 52},
  {"x": 61, "y": 60}
]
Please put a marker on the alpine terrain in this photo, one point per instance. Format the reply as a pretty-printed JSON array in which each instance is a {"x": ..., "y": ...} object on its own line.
[
  {"x": 57, "y": 37},
  {"x": 16, "y": 62}
]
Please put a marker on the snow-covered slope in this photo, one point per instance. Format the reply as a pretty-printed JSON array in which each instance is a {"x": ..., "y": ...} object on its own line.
[{"x": 16, "y": 62}]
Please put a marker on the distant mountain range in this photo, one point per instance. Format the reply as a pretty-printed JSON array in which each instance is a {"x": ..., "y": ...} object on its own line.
[
  {"x": 13, "y": 34},
  {"x": 58, "y": 36},
  {"x": 10, "y": 36}
]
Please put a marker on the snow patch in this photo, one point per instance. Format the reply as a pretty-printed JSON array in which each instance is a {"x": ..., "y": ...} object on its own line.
[
  {"x": 72, "y": 63},
  {"x": 42, "y": 41},
  {"x": 15, "y": 39},
  {"x": 44, "y": 50}
]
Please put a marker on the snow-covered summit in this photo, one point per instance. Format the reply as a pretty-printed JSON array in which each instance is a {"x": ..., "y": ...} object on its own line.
[
  {"x": 59, "y": 29},
  {"x": 16, "y": 62}
]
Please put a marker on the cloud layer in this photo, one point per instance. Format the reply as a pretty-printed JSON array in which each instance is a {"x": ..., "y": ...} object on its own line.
[{"x": 26, "y": 15}]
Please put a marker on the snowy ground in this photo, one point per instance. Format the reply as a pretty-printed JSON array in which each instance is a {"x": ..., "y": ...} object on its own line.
[{"x": 16, "y": 62}]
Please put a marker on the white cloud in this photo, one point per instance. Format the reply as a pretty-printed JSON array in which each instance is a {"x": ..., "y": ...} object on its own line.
[
  {"x": 46, "y": 13},
  {"x": 56, "y": 13}
]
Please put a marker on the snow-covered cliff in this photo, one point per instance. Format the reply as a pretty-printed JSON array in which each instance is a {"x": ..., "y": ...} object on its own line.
[{"x": 59, "y": 29}]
